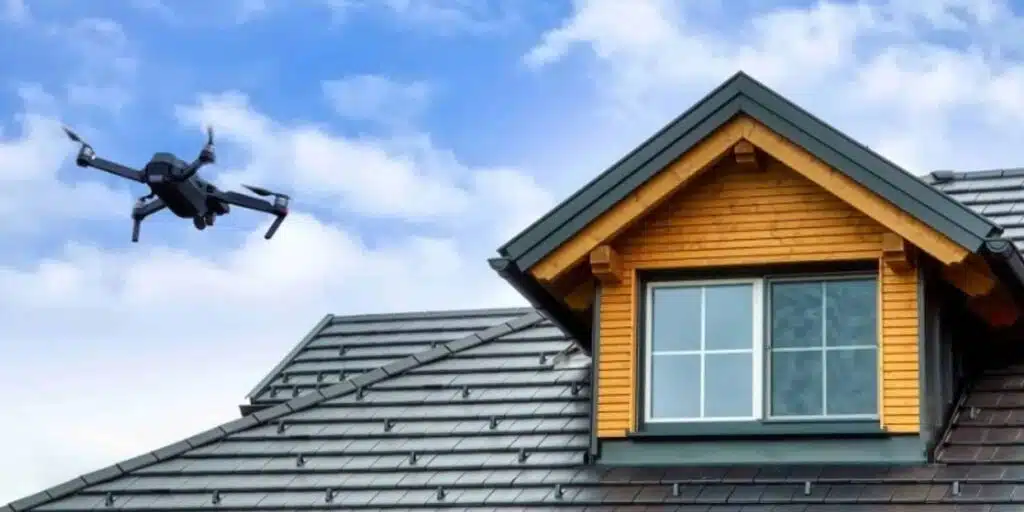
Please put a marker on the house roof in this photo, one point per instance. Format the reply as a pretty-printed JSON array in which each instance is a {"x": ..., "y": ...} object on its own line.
[
  {"x": 341, "y": 347},
  {"x": 495, "y": 426},
  {"x": 743, "y": 94},
  {"x": 997, "y": 194}
]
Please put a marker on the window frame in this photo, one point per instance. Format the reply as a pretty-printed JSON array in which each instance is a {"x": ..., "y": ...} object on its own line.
[
  {"x": 761, "y": 345},
  {"x": 757, "y": 334},
  {"x": 767, "y": 349}
]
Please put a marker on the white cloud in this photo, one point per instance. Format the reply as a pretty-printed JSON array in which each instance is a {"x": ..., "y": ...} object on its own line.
[
  {"x": 378, "y": 99},
  {"x": 400, "y": 178},
  {"x": 144, "y": 345},
  {"x": 33, "y": 149},
  {"x": 864, "y": 66}
]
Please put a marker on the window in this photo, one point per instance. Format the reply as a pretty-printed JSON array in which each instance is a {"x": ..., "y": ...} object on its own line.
[{"x": 747, "y": 350}]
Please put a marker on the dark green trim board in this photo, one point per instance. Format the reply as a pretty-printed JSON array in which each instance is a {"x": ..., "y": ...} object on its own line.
[
  {"x": 553, "y": 307},
  {"x": 759, "y": 429},
  {"x": 743, "y": 94},
  {"x": 886, "y": 450},
  {"x": 595, "y": 354}
]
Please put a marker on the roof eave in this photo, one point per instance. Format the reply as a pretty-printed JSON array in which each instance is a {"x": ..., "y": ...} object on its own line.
[{"x": 553, "y": 308}]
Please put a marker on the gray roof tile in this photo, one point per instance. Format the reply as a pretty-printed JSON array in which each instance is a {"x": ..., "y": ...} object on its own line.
[
  {"x": 466, "y": 414},
  {"x": 994, "y": 194}
]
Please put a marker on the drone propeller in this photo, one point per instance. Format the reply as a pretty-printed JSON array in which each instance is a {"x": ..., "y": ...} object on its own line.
[
  {"x": 209, "y": 135},
  {"x": 73, "y": 136},
  {"x": 260, "y": 191}
]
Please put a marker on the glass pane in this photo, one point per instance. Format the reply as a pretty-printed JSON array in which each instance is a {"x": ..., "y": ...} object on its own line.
[
  {"x": 851, "y": 381},
  {"x": 796, "y": 383},
  {"x": 675, "y": 386},
  {"x": 728, "y": 317},
  {"x": 676, "y": 318},
  {"x": 850, "y": 311},
  {"x": 796, "y": 314},
  {"x": 728, "y": 381}
]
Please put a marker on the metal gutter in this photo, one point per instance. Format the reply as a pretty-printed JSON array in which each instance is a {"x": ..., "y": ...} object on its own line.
[{"x": 1007, "y": 264}]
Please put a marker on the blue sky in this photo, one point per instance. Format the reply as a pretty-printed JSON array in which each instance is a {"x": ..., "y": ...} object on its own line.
[{"x": 414, "y": 136}]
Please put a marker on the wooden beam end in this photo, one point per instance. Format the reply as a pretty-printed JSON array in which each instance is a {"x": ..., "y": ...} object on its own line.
[
  {"x": 971, "y": 276},
  {"x": 746, "y": 155},
  {"x": 897, "y": 253},
  {"x": 605, "y": 264}
]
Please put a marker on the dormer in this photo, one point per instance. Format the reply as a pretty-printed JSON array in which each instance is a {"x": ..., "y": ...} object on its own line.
[{"x": 756, "y": 287}]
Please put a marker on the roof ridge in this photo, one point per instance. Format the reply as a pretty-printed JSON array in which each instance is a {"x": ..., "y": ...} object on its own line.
[
  {"x": 269, "y": 414},
  {"x": 433, "y": 314},
  {"x": 977, "y": 174}
]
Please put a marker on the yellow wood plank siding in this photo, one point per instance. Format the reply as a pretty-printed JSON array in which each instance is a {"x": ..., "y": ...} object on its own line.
[
  {"x": 899, "y": 392},
  {"x": 732, "y": 217}
]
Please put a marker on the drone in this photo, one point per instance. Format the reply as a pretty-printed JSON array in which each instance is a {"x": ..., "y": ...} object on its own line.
[{"x": 175, "y": 185}]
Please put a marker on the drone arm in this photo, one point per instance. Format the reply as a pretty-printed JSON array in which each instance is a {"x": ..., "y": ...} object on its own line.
[
  {"x": 143, "y": 210},
  {"x": 113, "y": 168},
  {"x": 253, "y": 203},
  {"x": 191, "y": 170}
]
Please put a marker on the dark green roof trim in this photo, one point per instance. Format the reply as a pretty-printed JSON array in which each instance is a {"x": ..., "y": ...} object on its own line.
[
  {"x": 557, "y": 312},
  {"x": 743, "y": 94}
]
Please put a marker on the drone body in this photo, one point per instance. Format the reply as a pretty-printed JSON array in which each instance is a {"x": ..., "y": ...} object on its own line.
[{"x": 175, "y": 185}]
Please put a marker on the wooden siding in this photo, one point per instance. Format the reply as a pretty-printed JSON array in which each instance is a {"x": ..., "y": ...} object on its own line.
[{"x": 735, "y": 217}]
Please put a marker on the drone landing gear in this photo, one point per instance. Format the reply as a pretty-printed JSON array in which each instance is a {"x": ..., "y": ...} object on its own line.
[
  {"x": 199, "y": 222},
  {"x": 142, "y": 210}
]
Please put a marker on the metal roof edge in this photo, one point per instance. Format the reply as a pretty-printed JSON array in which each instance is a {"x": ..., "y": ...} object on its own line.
[
  {"x": 554, "y": 310},
  {"x": 901, "y": 178},
  {"x": 850, "y": 161},
  {"x": 742, "y": 93},
  {"x": 268, "y": 415},
  {"x": 721, "y": 93},
  {"x": 290, "y": 356},
  {"x": 432, "y": 314}
]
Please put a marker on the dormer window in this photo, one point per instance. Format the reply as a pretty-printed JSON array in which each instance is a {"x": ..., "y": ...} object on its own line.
[{"x": 761, "y": 350}]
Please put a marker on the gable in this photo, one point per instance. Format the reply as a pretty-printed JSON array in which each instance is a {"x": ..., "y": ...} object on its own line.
[
  {"x": 743, "y": 95},
  {"x": 720, "y": 145}
]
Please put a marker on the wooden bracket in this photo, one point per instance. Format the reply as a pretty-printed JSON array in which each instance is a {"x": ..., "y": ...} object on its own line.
[
  {"x": 971, "y": 276},
  {"x": 605, "y": 264},
  {"x": 745, "y": 155},
  {"x": 897, "y": 253}
]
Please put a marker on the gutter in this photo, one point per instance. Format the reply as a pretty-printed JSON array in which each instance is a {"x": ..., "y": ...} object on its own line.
[
  {"x": 1007, "y": 264},
  {"x": 541, "y": 299}
]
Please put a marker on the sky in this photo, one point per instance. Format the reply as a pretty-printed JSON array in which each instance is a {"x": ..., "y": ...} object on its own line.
[{"x": 415, "y": 137}]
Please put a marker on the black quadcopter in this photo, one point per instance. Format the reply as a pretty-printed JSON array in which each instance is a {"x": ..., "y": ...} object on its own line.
[{"x": 175, "y": 185}]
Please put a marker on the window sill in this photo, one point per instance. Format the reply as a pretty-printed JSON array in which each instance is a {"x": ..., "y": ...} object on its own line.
[{"x": 758, "y": 430}]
